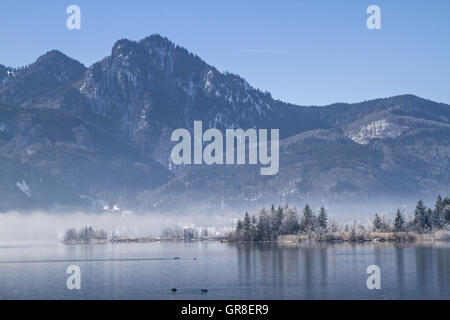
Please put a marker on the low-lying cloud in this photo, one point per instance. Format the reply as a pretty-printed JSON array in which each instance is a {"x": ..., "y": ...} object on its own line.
[{"x": 43, "y": 226}]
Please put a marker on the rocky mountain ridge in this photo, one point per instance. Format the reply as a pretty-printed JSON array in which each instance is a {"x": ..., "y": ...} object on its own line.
[{"x": 86, "y": 137}]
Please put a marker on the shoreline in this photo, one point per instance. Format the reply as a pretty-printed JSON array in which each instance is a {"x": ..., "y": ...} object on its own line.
[
  {"x": 369, "y": 237},
  {"x": 406, "y": 237}
]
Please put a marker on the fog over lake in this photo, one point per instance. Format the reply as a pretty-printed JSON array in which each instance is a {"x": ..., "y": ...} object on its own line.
[{"x": 42, "y": 226}]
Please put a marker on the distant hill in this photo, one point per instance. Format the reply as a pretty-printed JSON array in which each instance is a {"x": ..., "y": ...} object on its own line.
[{"x": 84, "y": 137}]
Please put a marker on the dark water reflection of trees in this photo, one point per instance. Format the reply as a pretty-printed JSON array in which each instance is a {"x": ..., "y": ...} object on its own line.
[{"x": 339, "y": 270}]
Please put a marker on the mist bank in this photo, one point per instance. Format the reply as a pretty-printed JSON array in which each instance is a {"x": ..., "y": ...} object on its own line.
[
  {"x": 196, "y": 207},
  {"x": 45, "y": 226},
  {"x": 343, "y": 208}
]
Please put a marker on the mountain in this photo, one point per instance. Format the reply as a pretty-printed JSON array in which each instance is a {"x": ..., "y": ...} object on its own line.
[
  {"x": 39, "y": 81},
  {"x": 85, "y": 137},
  {"x": 3, "y": 73},
  {"x": 64, "y": 160},
  {"x": 151, "y": 87},
  {"x": 391, "y": 150}
]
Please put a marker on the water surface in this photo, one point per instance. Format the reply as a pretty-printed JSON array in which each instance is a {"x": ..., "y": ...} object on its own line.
[{"x": 228, "y": 271}]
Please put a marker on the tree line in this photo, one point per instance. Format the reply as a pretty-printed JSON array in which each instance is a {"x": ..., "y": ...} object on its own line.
[
  {"x": 178, "y": 233},
  {"x": 85, "y": 234},
  {"x": 279, "y": 221},
  {"x": 271, "y": 223},
  {"x": 425, "y": 219}
]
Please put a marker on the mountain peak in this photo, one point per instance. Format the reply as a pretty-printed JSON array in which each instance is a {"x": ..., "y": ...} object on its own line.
[
  {"x": 411, "y": 98},
  {"x": 123, "y": 47},
  {"x": 49, "y": 71},
  {"x": 57, "y": 57},
  {"x": 152, "y": 41},
  {"x": 157, "y": 39}
]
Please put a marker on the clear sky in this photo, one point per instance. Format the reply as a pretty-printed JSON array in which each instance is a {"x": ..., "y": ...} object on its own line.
[{"x": 309, "y": 52}]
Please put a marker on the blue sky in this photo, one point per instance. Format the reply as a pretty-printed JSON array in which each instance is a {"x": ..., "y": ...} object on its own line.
[{"x": 306, "y": 52}]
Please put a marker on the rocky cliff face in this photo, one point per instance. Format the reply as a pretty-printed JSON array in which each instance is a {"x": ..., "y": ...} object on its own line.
[
  {"x": 153, "y": 86},
  {"x": 87, "y": 136}
]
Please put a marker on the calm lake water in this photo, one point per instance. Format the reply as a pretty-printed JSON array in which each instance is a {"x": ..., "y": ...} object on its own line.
[{"x": 228, "y": 271}]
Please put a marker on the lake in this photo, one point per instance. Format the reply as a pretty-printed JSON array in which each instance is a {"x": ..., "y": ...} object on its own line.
[{"x": 227, "y": 270}]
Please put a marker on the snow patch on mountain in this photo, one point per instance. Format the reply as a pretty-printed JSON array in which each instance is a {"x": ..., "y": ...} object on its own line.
[
  {"x": 24, "y": 188},
  {"x": 379, "y": 129}
]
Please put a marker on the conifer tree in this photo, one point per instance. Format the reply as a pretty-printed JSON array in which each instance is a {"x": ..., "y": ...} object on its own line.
[
  {"x": 254, "y": 223},
  {"x": 239, "y": 229},
  {"x": 428, "y": 222},
  {"x": 422, "y": 221},
  {"x": 263, "y": 232},
  {"x": 377, "y": 224},
  {"x": 247, "y": 227},
  {"x": 446, "y": 210},
  {"x": 308, "y": 220},
  {"x": 276, "y": 221},
  {"x": 322, "y": 219},
  {"x": 438, "y": 217},
  {"x": 290, "y": 223},
  {"x": 399, "y": 222}
]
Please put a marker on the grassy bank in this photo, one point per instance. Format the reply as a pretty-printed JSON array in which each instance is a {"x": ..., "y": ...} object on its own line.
[{"x": 440, "y": 235}]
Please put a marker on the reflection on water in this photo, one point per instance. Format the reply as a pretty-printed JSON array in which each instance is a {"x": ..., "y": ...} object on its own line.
[
  {"x": 229, "y": 271},
  {"x": 327, "y": 271}
]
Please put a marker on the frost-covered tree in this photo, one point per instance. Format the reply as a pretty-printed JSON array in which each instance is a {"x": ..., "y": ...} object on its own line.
[
  {"x": 385, "y": 223},
  {"x": 239, "y": 226},
  {"x": 253, "y": 226},
  {"x": 447, "y": 210},
  {"x": 246, "y": 226},
  {"x": 290, "y": 224},
  {"x": 263, "y": 232},
  {"x": 71, "y": 235},
  {"x": 276, "y": 221},
  {"x": 399, "y": 222},
  {"x": 239, "y": 230},
  {"x": 422, "y": 220},
  {"x": 307, "y": 222},
  {"x": 377, "y": 224},
  {"x": 439, "y": 206},
  {"x": 85, "y": 234},
  {"x": 173, "y": 233},
  {"x": 322, "y": 219},
  {"x": 272, "y": 210},
  {"x": 429, "y": 219},
  {"x": 438, "y": 215},
  {"x": 189, "y": 234},
  {"x": 352, "y": 235},
  {"x": 333, "y": 226}
]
